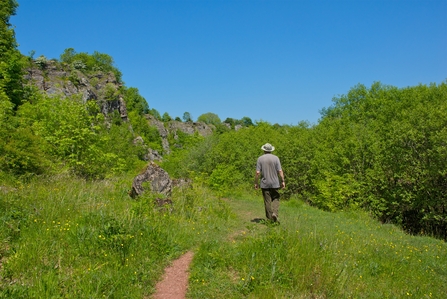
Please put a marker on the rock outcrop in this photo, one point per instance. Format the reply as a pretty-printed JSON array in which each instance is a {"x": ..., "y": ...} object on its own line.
[
  {"x": 57, "y": 79},
  {"x": 190, "y": 128},
  {"x": 154, "y": 179},
  {"x": 173, "y": 127}
]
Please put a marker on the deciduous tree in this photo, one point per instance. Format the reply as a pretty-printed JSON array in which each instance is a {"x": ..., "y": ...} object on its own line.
[
  {"x": 187, "y": 117},
  {"x": 209, "y": 118}
]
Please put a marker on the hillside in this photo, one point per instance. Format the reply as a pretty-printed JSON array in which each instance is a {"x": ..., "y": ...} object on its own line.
[{"x": 54, "y": 78}]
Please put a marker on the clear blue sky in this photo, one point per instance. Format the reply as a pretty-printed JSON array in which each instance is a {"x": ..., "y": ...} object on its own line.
[{"x": 276, "y": 61}]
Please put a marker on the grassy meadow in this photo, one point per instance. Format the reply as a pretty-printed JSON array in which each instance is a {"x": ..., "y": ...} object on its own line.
[{"x": 63, "y": 237}]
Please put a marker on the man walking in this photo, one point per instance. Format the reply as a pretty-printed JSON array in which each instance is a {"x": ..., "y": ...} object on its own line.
[{"x": 268, "y": 168}]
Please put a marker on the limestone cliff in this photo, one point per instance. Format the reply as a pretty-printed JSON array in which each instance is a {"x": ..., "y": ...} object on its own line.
[
  {"x": 59, "y": 79},
  {"x": 55, "y": 78},
  {"x": 173, "y": 127}
]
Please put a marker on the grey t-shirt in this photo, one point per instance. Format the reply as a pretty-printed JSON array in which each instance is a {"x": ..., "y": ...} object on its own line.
[{"x": 269, "y": 165}]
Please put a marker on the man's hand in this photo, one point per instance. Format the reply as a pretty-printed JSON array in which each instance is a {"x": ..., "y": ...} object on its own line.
[
  {"x": 283, "y": 184},
  {"x": 257, "y": 173}
]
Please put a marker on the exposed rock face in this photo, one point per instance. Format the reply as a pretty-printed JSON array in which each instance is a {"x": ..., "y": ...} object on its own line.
[
  {"x": 156, "y": 177},
  {"x": 152, "y": 155},
  {"x": 190, "y": 128},
  {"x": 161, "y": 130},
  {"x": 172, "y": 127},
  {"x": 57, "y": 79}
]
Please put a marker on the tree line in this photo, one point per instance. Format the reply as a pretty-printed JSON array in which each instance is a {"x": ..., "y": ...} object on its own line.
[{"x": 382, "y": 148}]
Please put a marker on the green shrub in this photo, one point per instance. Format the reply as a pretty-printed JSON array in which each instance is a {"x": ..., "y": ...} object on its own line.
[{"x": 224, "y": 179}]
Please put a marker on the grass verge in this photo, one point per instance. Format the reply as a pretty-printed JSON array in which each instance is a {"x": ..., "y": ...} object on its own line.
[
  {"x": 316, "y": 254},
  {"x": 68, "y": 238},
  {"x": 63, "y": 237}
]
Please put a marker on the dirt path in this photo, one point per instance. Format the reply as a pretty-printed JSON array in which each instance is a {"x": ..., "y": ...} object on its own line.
[{"x": 175, "y": 280}]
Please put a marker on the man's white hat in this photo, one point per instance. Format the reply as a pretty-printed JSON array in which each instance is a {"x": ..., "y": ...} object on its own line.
[{"x": 268, "y": 147}]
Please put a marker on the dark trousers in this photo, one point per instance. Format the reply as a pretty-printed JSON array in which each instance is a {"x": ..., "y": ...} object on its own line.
[{"x": 271, "y": 202}]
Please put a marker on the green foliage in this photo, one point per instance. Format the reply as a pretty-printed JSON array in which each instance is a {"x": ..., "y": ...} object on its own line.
[
  {"x": 177, "y": 163},
  {"x": 6, "y": 111},
  {"x": 141, "y": 127},
  {"x": 237, "y": 151},
  {"x": 166, "y": 117},
  {"x": 74, "y": 78},
  {"x": 64, "y": 124},
  {"x": 381, "y": 148},
  {"x": 73, "y": 134},
  {"x": 230, "y": 121},
  {"x": 135, "y": 102},
  {"x": 154, "y": 113},
  {"x": 297, "y": 152},
  {"x": 51, "y": 134},
  {"x": 221, "y": 128},
  {"x": 224, "y": 179},
  {"x": 8, "y": 9},
  {"x": 41, "y": 62},
  {"x": 242, "y": 148},
  {"x": 68, "y": 56},
  {"x": 60, "y": 234},
  {"x": 90, "y": 63},
  {"x": 335, "y": 192},
  {"x": 385, "y": 146},
  {"x": 79, "y": 65},
  {"x": 110, "y": 92},
  {"x": 244, "y": 121},
  {"x": 11, "y": 61},
  {"x": 22, "y": 153},
  {"x": 209, "y": 118},
  {"x": 187, "y": 163},
  {"x": 187, "y": 117},
  {"x": 112, "y": 157}
]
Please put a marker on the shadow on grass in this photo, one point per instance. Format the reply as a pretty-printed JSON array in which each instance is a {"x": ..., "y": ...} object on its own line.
[
  {"x": 258, "y": 220},
  {"x": 265, "y": 221}
]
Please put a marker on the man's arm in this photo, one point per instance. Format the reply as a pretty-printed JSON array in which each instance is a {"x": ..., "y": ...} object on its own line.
[
  {"x": 256, "y": 179},
  {"x": 281, "y": 174}
]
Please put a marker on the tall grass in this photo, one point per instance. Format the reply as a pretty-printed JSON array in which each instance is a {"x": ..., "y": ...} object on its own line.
[
  {"x": 315, "y": 254},
  {"x": 63, "y": 237},
  {"x": 68, "y": 238}
]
